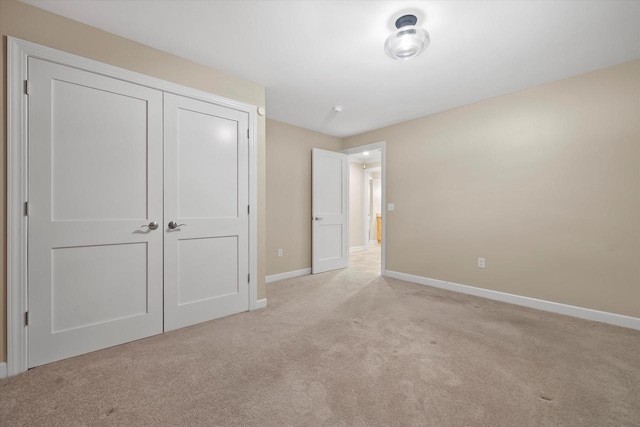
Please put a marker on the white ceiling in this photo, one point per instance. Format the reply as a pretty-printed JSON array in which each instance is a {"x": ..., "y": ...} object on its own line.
[
  {"x": 312, "y": 55},
  {"x": 374, "y": 156}
]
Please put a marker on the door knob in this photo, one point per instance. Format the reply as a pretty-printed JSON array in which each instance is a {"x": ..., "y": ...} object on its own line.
[
  {"x": 318, "y": 219},
  {"x": 173, "y": 225},
  {"x": 152, "y": 225}
]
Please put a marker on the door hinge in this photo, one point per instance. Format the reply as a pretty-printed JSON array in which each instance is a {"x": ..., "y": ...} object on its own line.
[
  {"x": 248, "y": 209},
  {"x": 247, "y": 133},
  {"x": 26, "y": 208},
  {"x": 27, "y": 87},
  {"x": 26, "y": 318},
  {"x": 249, "y": 278}
]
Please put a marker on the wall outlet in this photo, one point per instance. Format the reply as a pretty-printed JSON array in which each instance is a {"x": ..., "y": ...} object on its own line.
[
  {"x": 480, "y": 262},
  {"x": 279, "y": 252},
  {"x": 391, "y": 206}
]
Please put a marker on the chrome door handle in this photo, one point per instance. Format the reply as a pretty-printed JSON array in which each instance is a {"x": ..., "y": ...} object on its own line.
[
  {"x": 152, "y": 225},
  {"x": 318, "y": 218},
  {"x": 173, "y": 225}
]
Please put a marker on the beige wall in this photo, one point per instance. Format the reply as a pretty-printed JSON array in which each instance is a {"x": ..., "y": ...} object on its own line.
[
  {"x": 375, "y": 204},
  {"x": 289, "y": 194},
  {"x": 356, "y": 205},
  {"x": 544, "y": 183},
  {"x": 32, "y": 24}
]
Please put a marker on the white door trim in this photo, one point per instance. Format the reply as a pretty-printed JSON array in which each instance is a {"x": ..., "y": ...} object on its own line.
[
  {"x": 18, "y": 51},
  {"x": 382, "y": 146}
]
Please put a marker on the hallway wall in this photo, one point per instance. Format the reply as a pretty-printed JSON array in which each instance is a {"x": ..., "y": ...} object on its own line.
[
  {"x": 288, "y": 195},
  {"x": 356, "y": 205}
]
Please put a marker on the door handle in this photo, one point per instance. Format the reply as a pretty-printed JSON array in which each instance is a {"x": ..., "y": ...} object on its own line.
[
  {"x": 318, "y": 218},
  {"x": 152, "y": 225},
  {"x": 173, "y": 225}
]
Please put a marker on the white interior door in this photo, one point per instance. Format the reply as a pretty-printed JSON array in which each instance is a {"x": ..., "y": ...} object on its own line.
[
  {"x": 95, "y": 185},
  {"x": 207, "y": 196},
  {"x": 329, "y": 182}
]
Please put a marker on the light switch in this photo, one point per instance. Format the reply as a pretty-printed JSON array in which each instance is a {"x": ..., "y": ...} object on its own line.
[{"x": 391, "y": 207}]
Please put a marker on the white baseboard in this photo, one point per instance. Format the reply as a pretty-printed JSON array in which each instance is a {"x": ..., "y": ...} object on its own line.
[
  {"x": 261, "y": 303},
  {"x": 554, "y": 307},
  {"x": 3, "y": 370},
  {"x": 287, "y": 275},
  {"x": 357, "y": 248}
]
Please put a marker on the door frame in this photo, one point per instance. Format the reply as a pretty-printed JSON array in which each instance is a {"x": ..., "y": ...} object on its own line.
[
  {"x": 18, "y": 52},
  {"x": 382, "y": 146}
]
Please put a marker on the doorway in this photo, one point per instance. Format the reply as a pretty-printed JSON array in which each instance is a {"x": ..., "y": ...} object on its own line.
[{"x": 367, "y": 240}]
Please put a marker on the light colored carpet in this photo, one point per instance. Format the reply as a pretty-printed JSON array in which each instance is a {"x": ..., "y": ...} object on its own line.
[
  {"x": 369, "y": 260},
  {"x": 348, "y": 348}
]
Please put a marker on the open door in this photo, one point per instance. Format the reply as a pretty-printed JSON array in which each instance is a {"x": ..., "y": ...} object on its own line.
[{"x": 329, "y": 210}]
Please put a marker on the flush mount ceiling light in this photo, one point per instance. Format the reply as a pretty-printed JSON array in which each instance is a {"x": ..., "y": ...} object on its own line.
[{"x": 408, "y": 40}]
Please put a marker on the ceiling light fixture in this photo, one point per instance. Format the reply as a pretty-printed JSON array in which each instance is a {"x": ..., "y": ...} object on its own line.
[
  {"x": 337, "y": 108},
  {"x": 365, "y": 153},
  {"x": 408, "y": 40}
]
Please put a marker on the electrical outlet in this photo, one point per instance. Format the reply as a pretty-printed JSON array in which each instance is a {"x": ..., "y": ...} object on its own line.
[
  {"x": 279, "y": 252},
  {"x": 480, "y": 262}
]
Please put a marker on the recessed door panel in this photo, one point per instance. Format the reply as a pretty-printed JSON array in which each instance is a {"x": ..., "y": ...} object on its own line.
[
  {"x": 97, "y": 284},
  {"x": 207, "y": 269},
  {"x": 206, "y": 196},
  {"x": 329, "y": 193},
  {"x": 99, "y": 153},
  {"x": 207, "y": 158},
  {"x": 95, "y": 185},
  {"x": 329, "y": 244}
]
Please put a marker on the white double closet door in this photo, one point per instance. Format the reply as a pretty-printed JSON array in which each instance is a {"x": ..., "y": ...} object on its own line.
[{"x": 108, "y": 160}]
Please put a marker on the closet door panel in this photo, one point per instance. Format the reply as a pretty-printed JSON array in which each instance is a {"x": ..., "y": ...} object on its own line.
[
  {"x": 207, "y": 157},
  {"x": 95, "y": 185},
  {"x": 99, "y": 148},
  {"x": 206, "y": 196}
]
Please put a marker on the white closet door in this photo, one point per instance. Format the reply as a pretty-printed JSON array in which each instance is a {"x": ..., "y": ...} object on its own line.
[
  {"x": 206, "y": 195},
  {"x": 95, "y": 184}
]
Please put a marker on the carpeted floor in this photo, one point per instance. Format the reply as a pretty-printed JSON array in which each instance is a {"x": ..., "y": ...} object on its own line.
[
  {"x": 348, "y": 348},
  {"x": 368, "y": 260}
]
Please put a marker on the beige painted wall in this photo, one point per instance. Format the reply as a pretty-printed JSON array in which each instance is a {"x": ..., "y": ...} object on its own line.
[
  {"x": 544, "y": 183},
  {"x": 356, "y": 204},
  {"x": 375, "y": 204},
  {"x": 36, "y": 25},
  {"x": 289, "y": 194}
]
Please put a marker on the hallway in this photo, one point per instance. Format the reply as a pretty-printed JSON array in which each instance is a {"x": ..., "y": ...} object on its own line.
[{"x": 369, "y": 260}]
